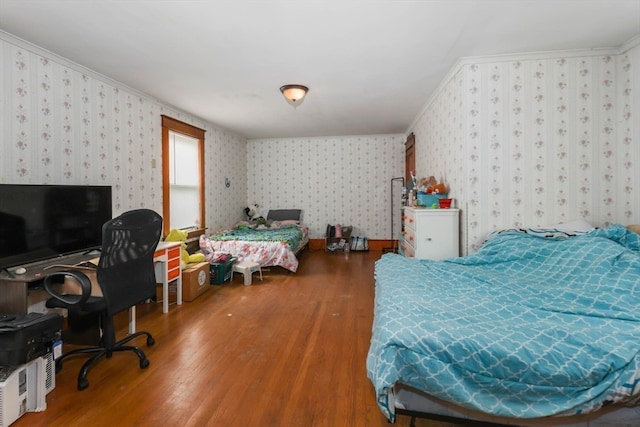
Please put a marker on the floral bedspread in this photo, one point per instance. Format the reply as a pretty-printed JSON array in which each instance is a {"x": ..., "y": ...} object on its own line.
[{"x": 268, "y": 247}]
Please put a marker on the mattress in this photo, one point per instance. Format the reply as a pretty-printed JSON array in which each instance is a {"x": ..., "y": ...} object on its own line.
[
  {"x": 533, "y": 325},
  {"x": 414, "y": 401},
  {"x": 266, "y": 246}
]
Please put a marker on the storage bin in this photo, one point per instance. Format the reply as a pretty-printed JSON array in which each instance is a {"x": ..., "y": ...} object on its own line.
[
  {"x": 445, "y": 203},
  {"x": 428, "y": 200},
  {"x": 339, "y": 244},
  {"x": 220, "y": 272}
]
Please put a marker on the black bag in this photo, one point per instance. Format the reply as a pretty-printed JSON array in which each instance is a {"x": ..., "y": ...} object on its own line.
[
  {"x": 359, "y": 243},
  {"x": 25, "y": 337},
  {"x": 331, "y": 231}
]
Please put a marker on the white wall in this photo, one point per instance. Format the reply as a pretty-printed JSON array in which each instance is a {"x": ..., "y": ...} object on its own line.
[{"x": 532, "y": 140}]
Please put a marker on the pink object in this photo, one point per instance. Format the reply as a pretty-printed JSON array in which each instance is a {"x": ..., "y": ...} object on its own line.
[{"x": 338, "y": 230}]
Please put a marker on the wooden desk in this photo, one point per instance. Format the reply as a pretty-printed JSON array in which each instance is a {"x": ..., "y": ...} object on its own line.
[
  {"x": 15, "y": 291},
  {"x": 167, "y": 269},
  {"x": 167, "y": 265}
]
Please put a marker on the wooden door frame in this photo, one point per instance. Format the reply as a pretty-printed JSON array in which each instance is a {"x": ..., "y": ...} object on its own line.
[{"x": 410, "y": 157}]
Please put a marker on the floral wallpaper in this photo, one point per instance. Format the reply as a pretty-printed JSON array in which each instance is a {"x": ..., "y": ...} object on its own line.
[
  {"x": 521, "y": 140},
  {"x": 532, "y": 141},
  {"x": 63, "y": 124},
  {"x": 334, "y": 180}
]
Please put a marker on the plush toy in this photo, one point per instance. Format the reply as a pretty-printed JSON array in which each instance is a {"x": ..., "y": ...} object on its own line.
[
  {"x": 261, "y": 223},
  {"x": 440, "y": 188},
  {"x": 426, "y": 185},
  {"x": 431, "y": 186},
  {"x": 255, "y": 217},
  {"x": 181, "y": 236},
  {"x": 252, "y": 212}
]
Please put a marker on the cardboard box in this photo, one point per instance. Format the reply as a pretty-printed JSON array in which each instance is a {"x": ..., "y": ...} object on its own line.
[
  {"x": 173, "y": 292},
  {"x": 72, "y": 287},
  {"x": 195, "y": 280}
]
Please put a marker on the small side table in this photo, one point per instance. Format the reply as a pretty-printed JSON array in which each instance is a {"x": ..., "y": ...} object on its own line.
[{"x": 246, "y": 268}]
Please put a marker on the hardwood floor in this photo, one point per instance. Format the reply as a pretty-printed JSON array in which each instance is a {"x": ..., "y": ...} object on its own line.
[{"x": 287, "y": 351}]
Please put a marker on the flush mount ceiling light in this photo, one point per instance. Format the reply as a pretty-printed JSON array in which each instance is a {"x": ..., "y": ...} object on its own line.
[{"x": 294, "y": 94}]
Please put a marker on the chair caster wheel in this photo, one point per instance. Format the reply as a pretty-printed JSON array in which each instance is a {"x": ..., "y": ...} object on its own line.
[
  {"x": 82, "y": 384},
  {"x": 144, "y": 363},
  {"x": 150, "y": 341}
]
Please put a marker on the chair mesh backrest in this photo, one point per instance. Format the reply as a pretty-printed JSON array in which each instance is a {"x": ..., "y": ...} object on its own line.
[{"x": 125, "y": 271}]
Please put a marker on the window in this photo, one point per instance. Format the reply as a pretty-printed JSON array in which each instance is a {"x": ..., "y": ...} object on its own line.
[
  {"x": 184, "y": 181},
  {"x": 182, "y": 175}
]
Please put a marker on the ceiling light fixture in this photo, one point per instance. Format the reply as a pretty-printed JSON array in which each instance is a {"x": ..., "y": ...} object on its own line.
[{"x": 294, "y": 94}]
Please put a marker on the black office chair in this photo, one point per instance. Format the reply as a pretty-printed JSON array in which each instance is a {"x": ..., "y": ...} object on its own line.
[{"x": 126, "y": 277}]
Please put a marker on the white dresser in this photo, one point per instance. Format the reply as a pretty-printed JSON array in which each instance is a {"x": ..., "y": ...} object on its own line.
[{"x": 430, "y": 233}]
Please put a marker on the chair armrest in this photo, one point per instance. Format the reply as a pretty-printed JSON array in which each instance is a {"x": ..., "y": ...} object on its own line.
[{"x": 71, "y": 299}]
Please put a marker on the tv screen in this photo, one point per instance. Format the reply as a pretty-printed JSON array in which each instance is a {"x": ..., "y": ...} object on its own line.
[{"x": 46, "y": 221}]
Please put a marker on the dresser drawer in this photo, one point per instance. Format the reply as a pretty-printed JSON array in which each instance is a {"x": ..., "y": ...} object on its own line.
[
  {"x": 409, "y": 218},
  {"x": 174, "y": 252},
  {"x": 173, "y": 263},
  {"x": 409, "y": 236},
  {"x": 407, "y": 250},
  {"x": 173, "y": 274},
  {"x": 431, "y": 233}
]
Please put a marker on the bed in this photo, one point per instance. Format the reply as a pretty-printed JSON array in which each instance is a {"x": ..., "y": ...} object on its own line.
[
  {"x": 276, "y": 243},
  {"x": 539, "y": 327}
]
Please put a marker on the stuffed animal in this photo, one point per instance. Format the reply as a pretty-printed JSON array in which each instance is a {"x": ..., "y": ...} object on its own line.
[
  {"x": 252, "y": 212},
  {"x": 260, "y": 222},
  {"x": 430, "y": 186},
  {"x": 426, "y": 185},
  {"x": 254, "y": 216},
  {"x": 440, "y": 188},
  {"x": 181, "y": 236}
]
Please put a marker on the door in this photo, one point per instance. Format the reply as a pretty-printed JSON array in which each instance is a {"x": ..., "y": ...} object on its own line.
[{"x": 409, "y": 158}]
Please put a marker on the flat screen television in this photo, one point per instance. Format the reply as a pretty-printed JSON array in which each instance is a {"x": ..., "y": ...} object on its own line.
[{"x": 39, "y": 222}]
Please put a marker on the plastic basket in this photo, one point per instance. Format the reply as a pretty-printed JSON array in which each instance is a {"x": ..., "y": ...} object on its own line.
[
  {"x": 432, "y": 200},
  {"x": 428, "y": 200},
  {"x": 445, "y": 203},
  {"x": 220, "y": 272}
]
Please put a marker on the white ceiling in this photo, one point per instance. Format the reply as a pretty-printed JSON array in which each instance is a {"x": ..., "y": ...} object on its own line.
[{"x": 370, "y": 65}]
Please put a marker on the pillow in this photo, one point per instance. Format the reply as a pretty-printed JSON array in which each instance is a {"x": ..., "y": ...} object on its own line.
[
  {"x": 634, "y": 227},
  {"x": 284, "y": 214},
  {"x": 577, "y": 226}
]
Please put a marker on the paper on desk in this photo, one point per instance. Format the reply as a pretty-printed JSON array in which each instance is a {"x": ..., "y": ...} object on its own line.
[{"x": 91, "y": 264}]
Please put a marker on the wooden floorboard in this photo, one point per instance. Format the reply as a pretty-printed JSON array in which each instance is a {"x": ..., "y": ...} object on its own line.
[{"x": 287, "y": 351}]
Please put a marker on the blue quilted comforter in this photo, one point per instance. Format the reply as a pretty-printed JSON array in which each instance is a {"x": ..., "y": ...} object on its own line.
[{"x": 532, "y": 325}]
